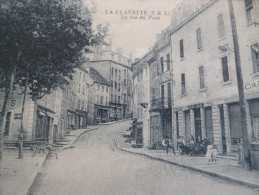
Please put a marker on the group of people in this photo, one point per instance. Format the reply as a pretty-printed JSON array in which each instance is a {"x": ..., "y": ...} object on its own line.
[{"x": 193, "y": 147}]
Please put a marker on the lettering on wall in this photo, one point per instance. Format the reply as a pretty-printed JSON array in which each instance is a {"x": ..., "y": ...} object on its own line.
[{"x": 252, "y": 85}]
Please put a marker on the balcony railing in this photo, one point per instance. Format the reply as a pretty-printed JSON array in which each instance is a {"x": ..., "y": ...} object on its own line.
[{"x": 161, "y": 104}]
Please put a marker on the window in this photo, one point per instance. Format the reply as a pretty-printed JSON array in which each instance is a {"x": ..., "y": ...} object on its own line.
[
  {"x": 201, "y": 75},
  {"x": 169, "y": 92},
  {"x": 7, "y": 124},
  {"x": 112, "y": 84},
  {"x": 79, "y": 88},
  {"x": 98, "y": 89},
  {"x": 102, "y": 88},
  {"x": 119, "y": 87},
  {"x": 119, "y": 99},
  {"x": 168, "y": 61},
  {"x": 199, "y": 40},
  {"x": 225, "y": 72},
  {"x": 183, "y": 84},
  {"x": 111, "y": 98},
  {"x": 221, "y": 27},
  {"x": 112, "y": 72},
  {"x": 115, "y": 73},
  {"x": 125, "y": 73},
  {"x": 101, "y": 100},
  {"x": 83, "y": 89},
  {"x": 119, "y": 74},
  {"x": 181, "y": 49},
  {"x": 255, "y": 57},
  {"x": 115, "y": 99},
  {"x": 249, "y": 10},
  {"x": 106, "y": 89},
  {"x": 97, "y": 99},
  {"x": 162, "y": 64},
  {"x": 124, "y": 98},
  {"x": 153, "y": 93},
  {"x": 115, "y": 85},
  {"x": 124, "y": 83}
]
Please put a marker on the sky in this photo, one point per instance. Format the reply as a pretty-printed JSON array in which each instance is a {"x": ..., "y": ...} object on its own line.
[{"x": 133, "y": 24}]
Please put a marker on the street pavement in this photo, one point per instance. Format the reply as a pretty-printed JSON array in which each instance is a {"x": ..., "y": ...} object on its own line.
[
  {"x": 95, "y": 165},
  {"x": 225, "y": 168}
]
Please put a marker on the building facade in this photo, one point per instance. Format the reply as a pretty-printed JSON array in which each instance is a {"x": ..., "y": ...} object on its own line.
[
  {"x": 161, "y": 88},
  {"x": 116, "y": 69},
  {"x": 206, "y": 101},
  {"x": 98, "y": 97}
]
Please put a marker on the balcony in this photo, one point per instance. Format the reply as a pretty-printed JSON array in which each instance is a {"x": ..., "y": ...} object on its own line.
[{"x": 161, "y": 104}]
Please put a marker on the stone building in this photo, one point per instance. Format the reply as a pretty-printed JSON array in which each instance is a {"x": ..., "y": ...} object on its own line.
[
  {"x": 116, "y": 69},
  {"x": 81, "y": 98},
  {"x": 161, "y": 88},
  {"x": 204, "y": 72},
  {"x": 41, "y": 119},
  {"x": 141, "y": 99},
  {"x": 98, "y": 97}
]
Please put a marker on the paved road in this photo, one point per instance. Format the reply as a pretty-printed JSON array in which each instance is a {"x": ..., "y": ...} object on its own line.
[{"x": 95, "y": 167}]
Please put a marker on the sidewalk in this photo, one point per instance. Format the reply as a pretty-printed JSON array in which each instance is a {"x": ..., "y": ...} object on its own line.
[
  {"x": 225, "y": 168},
  {"x": 19, "y": 174}
]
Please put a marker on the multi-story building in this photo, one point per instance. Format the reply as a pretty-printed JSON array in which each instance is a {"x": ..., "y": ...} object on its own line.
[
  {"x": 206, "y": 101},
  {"x": 98, "y": 97},
  {"x": 153, "y": 85},
  {"x": 161, "y": 88},
  {"x": 116, "y": 69},
  {"x": 41, "y": 119},
  {"x": 81, "y": 98},
  {"x": 141, "y": 100}
]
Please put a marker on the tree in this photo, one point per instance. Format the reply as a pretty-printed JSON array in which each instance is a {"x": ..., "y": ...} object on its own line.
[{"x": 41, "y": 45}]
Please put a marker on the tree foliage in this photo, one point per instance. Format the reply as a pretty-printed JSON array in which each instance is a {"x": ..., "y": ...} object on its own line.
[{"x": 44, "y": 38}]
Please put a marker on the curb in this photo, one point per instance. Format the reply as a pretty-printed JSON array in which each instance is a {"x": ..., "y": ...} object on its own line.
[
  {"x": 78, "y": 136},
  {"x": 36, "y": 173},
  {"x": 113, "y": 122},
  {"x": 213, "y": 174}
]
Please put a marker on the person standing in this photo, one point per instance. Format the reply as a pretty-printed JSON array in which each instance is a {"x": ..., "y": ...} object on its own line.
[{"x": 165, "y": 144}]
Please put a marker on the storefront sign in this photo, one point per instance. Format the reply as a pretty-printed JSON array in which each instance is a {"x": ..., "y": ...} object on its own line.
[
  {"x": 12, "y": 103},
  {"x": 17, "y": 116},
  {"x": 252, "y": 85},
  {"x": 201, "y": 105}
]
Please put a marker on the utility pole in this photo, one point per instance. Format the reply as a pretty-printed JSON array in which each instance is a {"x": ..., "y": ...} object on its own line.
[{"x": 240, "y": 84}]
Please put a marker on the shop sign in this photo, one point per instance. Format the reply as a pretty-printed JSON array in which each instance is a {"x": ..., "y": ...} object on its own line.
[
  {"x": 252, "y": 85},
  {"x": 201, "y": 105},
  {"x": 18, "y": 116},
  {"x": 12, "y": 103}
]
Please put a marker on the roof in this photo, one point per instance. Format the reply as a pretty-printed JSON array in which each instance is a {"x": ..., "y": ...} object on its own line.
[{"x": 97, "y": 77}]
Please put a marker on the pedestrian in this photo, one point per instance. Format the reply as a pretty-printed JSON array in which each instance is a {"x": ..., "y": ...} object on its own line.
[
  {"x": 165, "y": 144},
  {"x": 181, "y": 144},
  {"x": 212, "y": 153},
  {"x": 204, "y": 145},
  {"x": 171, "y": 146}
]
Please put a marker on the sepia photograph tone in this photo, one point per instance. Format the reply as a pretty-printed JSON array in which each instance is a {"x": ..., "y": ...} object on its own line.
[{"x": 119, "y": 97}]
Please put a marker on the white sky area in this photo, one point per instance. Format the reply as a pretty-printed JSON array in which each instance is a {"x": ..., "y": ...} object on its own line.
[{"x": 135, "y": 36}]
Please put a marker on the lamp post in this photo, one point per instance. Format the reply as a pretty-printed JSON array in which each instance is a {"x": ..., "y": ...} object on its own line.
[{"x": 240, "y": 84}]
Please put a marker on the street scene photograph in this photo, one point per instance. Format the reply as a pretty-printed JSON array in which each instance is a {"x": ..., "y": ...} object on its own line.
[{"x": 140, "y": 97}]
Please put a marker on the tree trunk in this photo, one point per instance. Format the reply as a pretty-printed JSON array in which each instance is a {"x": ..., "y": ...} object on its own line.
[
  {"x": 21, "y": 136},
  {"x": 7, "y": 98}
]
